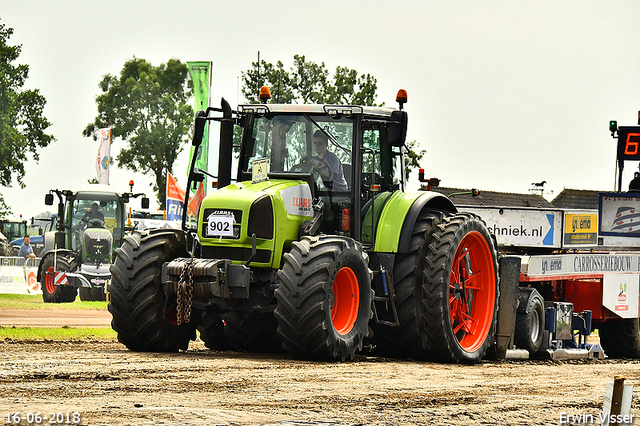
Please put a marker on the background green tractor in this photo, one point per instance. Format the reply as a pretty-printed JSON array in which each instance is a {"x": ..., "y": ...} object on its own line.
[
  {"x": 77, "y": 255},
  {"x": 289, "y": 256}
]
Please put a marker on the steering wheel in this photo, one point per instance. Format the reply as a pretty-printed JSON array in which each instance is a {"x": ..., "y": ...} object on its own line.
[
  {"x": 96, "y": 223},
  {"x": 306, "y": 165}
]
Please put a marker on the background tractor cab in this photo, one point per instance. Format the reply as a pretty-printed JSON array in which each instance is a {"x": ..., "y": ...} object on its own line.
[
  {"x": 90, "y": 226},
  {"x": 13, "y": 229}
]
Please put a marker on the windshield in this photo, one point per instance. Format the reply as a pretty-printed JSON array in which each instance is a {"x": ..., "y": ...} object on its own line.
[
  {"x": 288, "y": 141},
  {"x": 95, "y": 209}
]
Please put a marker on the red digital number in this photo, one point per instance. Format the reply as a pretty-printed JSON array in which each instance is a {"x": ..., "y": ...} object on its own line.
[{"x": 632, "y": 145}]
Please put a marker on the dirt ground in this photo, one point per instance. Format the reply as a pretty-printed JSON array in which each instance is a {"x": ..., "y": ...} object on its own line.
[{"x": 107, "y": 384}]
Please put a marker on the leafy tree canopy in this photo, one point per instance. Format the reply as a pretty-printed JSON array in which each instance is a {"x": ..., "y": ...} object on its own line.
[
  {"x": 147, "y": 107},
  {"x": 22, "y": 124},
  {"x": 311, "y": 83}
]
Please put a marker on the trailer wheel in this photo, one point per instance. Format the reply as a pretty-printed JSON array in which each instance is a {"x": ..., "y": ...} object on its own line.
[
  {"x": 324, "y": 298},
  {"x": 137, "y": 301},
  {"x": 52, "y": 293},
  {"x": 460, "y": 290},
  {"x": 211, "y": 330},
  {"x": 621, "y": 339},
  {"x": 252, "y": 332},
  {"x": 409, "y": 339},
  {"x": 529, "y": 330}
]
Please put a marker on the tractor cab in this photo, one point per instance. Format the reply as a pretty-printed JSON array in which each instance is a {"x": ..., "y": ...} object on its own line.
[
  {"x": 91, "y": 225},
  {"x": 95, "y": 216},
  {"x": 13, "y": 229},
  {"x": 345, "y": 153}
]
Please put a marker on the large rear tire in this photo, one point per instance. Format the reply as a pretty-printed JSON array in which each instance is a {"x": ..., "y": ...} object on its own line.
[
  {"x": 460, "y": 290},
  {"x": 409, "y": 338},
  {"x": 57, "y": 293},
  {"x": 621, "y": 339},
  {"x": 324, "y": 298},
  {"x": 252, "y": 332},
  {"x": 137, "y": 299}
]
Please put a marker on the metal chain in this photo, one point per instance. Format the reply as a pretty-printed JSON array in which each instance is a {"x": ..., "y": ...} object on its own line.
[{"x": 185, "y": 293}]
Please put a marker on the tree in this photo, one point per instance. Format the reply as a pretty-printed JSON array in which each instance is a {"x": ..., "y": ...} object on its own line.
[
  {"x": 147, "y": 107},
  {"x": 22, "y": 124},
  {"x": 309, "y": 82}
]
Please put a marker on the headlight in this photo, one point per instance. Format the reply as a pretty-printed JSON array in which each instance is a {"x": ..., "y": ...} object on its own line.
[{"x": 261, "y": 218}]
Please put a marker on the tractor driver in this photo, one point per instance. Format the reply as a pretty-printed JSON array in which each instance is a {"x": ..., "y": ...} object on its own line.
[
  {"x": 95, "y": 213},
  {"x": 333, "y": 178}
]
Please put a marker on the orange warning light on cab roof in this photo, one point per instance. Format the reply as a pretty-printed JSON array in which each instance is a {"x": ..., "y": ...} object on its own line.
[
  {"x": 265, "y": 93},
  {"x": 401, "y": 97}
]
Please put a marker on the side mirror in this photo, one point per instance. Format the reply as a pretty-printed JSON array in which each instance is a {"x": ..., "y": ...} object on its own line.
[
  {"x": 125, "y": 198},
  {"x": 398, "y": 128},
  {"x": 198, "y": 130},
  {"x": 48, "y": 199},
  {"x": 145, "y": 203}
]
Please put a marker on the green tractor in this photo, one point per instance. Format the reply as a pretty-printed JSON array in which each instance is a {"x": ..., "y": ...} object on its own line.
[
  {"x": 77, "y": 255},
  {"x": 305, "y": 254}
]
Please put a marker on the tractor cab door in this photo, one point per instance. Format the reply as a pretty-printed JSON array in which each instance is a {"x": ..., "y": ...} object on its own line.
[{"x": 380, "y": 175}]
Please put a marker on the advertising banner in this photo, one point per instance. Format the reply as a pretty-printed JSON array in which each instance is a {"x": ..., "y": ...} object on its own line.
[
  {"x": 194, "y": 203},
  {"x": 583, "y": 263},
  {"x": 580, "y": 229},
  {"x": 619, "y": 214},
  {"x": 201, "y": 76},
  {"x": 521, "y": 227},
  {"x": 620, "y": 294},
  {"x": 16, "y": 278},
  {"x": 104, "y": 152},
  {"x": 175, "y": 199}
]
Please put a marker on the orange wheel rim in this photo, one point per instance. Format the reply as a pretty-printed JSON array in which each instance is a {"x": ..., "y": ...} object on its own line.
[
  {"x": 472, "y": 292},
  {"x": 346, "y": 300},
  {"x": 48, "y": 280}
]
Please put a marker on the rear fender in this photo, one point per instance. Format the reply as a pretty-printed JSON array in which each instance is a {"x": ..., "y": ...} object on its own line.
[{"x": 399, "y": 217}]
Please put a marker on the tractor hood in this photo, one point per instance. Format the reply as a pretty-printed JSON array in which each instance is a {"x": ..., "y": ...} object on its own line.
[{"x": 274, "y": 210}]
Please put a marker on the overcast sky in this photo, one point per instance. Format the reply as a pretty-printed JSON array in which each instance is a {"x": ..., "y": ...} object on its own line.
[{"x": 501, "y": 93}]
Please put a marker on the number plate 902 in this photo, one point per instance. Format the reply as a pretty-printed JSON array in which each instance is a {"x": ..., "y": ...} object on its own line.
[{"x": 220, "y": 226}]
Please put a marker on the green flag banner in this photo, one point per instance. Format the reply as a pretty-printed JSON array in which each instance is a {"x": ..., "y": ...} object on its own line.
[{"x": 201, "y": 75}]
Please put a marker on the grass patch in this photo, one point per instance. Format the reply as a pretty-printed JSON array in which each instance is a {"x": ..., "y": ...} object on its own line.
[
  {"x": 34, "y": 301},
  {"x": 56, "y": 334}
]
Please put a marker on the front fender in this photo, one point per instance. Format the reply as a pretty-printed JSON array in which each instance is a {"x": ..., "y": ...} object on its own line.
[
  {"x": 399, "y": 217},
  {"x": 51, "y": 254}
]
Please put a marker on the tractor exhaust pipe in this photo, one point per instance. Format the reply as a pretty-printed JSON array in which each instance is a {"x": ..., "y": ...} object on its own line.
[{"x": 226, "y": 146}]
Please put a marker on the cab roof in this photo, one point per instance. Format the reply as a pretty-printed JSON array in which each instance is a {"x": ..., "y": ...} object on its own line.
[{"x": 315, "y": 109}]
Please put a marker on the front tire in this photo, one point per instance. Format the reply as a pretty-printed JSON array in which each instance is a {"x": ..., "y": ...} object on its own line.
[
  {"x": 52, "y": 293},
  {"x": 137, "y": 298},
  {"x": 324, "y": 298},
  {"x": 460, "y": 290}
]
